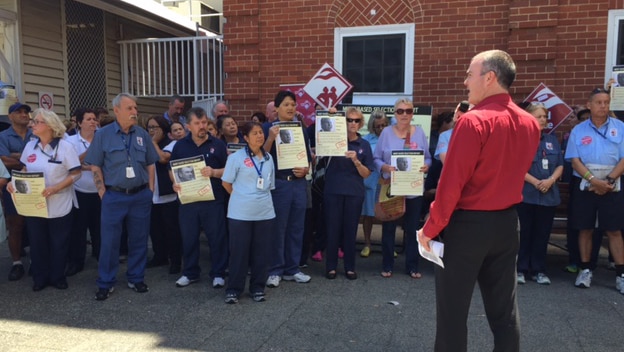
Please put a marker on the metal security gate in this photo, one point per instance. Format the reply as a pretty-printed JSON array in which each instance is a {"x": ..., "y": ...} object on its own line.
[
  {"x": 165, "y": 67},
  {"x": 86, "y": 66}
]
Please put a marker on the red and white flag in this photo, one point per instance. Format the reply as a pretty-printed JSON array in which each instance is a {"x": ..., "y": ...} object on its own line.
[{"x": 558, "y": 111}]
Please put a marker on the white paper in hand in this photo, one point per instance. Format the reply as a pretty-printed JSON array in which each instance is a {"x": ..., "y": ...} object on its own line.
[{"x": 436, "y": 253}]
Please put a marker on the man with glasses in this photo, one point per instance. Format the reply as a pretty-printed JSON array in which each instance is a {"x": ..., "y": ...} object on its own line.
[
  {"x": 490, "y": 153},
  {"x": 596, "y": 150},
  {"x": 12, "y": 143}
]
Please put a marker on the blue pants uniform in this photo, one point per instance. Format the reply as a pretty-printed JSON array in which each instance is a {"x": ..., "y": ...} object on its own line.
[
  {"x": 209, "y": 216},
  {"x": 49, "y": 242},
  {"x": 411, "y": 219},
  {"x": 342, "y": 214},
  {"x": 135, "y": 210}
]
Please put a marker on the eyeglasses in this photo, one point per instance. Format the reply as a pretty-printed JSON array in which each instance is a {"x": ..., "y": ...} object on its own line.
[
  {"x": 37, "y": 122},
  {"x": 353, "y": 120},
  {"x": 403, "y": 111}
]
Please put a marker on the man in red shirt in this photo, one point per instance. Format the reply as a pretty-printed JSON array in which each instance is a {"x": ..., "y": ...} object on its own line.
[{"x": 489, "y": 153}]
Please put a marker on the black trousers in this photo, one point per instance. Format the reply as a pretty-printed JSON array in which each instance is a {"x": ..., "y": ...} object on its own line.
[
  {"x": 87, "y": 217},
  {"x": 165, "y": 233},
  {"x": 481, "y": 247}
]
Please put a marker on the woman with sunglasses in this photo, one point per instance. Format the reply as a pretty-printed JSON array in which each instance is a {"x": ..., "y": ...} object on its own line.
[
  {"x": 540, "y": 197},
  {"x": 401, "y": 136},
  {"x": 60, "y": 165},
  {"x": 376, "y": 123},
  {"x": 344, "y": 194}
]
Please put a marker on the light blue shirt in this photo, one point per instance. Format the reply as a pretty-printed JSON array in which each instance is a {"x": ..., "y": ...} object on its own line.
[
  {"x": 443, "y": 143},
  {"x": 247, "y": 202},
  {"x": 594, "y": 145}
]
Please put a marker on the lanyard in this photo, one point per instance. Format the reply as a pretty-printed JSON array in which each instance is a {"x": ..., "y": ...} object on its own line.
[
  {"x": 408, "y": 143},
  {"x": 54, "y": 154},
  {"x": 127, "y": 145},
  {"x": 258, "y": 170},
  {"x": 603, "y": 135}
]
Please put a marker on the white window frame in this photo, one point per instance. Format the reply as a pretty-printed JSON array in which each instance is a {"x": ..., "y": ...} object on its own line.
[
  {"x": 10, "y": 18},
  {"x": 407, "y": 29},
  {"x": 615, "y": 16}
]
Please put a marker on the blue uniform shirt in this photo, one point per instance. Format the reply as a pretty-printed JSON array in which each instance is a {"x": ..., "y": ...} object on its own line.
[
  {"x": 596, "y": 145},
  {"x": 443, "y": 143},
  {"x": 247, "y": 202},
  {"x": 113, "y": 151},
  {"x": 548, "y": 149},
  {"x": 287, "y": 172},
  {"x": 341, "y": 175},
  {"x": 11, "y": 142},
  {"x": 215, "y": 156}
]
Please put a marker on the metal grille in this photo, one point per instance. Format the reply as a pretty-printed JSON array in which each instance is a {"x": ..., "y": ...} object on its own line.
[
  {"x": 164, "y": 67},
  {"x": 85, "y": 56}
]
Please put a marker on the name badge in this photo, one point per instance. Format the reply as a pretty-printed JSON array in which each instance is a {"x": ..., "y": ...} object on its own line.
[
  {"x": 260, "y": 183},
  {"x": 130, "y": 172},
  {"x": 545, "y": 164}
]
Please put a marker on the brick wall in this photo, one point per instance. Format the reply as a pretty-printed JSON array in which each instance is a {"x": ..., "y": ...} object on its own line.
[{"x": 561, "y": 43}]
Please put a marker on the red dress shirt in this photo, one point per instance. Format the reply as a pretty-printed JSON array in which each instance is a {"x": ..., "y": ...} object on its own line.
[{"x": 490, "y": 151}]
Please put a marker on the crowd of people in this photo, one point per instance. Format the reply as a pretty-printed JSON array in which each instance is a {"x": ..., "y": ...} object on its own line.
[{"x": 106, "y": 178}]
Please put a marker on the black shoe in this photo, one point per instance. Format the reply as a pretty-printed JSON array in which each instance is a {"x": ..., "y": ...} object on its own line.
[
  {"x": 61, "y": 285},
  {"x": 331, "y": 275},
  {"x": 72, "y": 270},
  {"x": 231, "y": 298},
  {"x": 156, "y": 263},
  {"x": 103, "y": 293},
  {"x": 38, "y": 287},
  {"x": 351, "y": 275},
  {"x": 139, "y": 287},
  {"x": 17, "y": 272},
  {"x": 175, "y": 268},
  {"x": 258, "y": 296}
]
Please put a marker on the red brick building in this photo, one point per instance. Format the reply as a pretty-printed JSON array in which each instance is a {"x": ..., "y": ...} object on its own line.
[{"x": 569, "y": 45}]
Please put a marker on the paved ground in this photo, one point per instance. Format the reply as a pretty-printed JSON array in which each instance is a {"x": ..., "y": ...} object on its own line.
[{"x": 338, "y": 315}]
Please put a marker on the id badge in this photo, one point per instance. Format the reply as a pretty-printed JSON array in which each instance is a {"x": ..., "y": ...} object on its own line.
[
  {"x": 130, "y": 172},
  {"x": 260, "y": 183},
  {"x": 545, "y": 164}
]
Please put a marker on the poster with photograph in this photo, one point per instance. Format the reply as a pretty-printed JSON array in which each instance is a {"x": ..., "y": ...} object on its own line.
[
  {"x": 331, "y": 133},
  {"x": 28, "y": 198},
  {"x": 233, "y": 147},
  {"x": 290, "y": 145},
  {"x": 193, "y": 186},
  {"x": 407, "y": 180},
  {"x": 617, "y": 89}
]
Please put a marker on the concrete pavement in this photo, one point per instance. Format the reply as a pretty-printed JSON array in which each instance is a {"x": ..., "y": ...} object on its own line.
[{"x": 323, "y": 315}]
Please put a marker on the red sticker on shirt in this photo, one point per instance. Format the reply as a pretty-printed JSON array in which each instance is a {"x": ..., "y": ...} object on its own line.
[
  {"x": 32, "y": 158},
  {"x": 248, "y": 162},
  {"x": 586, "y": 140},
  {"x": 413, "y": 145}
]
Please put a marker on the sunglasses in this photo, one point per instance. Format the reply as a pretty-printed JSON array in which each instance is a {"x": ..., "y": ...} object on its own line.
[
  {"x": 353, "y": 120},
  {"x": 598, "y": 91},
  {"x": 403, "y": 111}
]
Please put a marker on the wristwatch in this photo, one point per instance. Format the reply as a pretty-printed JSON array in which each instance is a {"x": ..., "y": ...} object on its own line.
[{"x": 611, "y": 180}]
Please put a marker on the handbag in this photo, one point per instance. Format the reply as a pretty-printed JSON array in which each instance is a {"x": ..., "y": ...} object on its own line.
[{"x": 387, "y": 207}]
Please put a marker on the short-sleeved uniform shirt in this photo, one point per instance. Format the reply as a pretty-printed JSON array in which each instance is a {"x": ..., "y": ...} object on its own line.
[
  {"x": 247, "y": 202},
  {"x": 85, "y": 184},
  {"x": 547, "y": 159},
  {"x": 11, "y": 142},
  {"x": 341, "y": 175},
  {"x": 55, "y": 160},
  {"x": 443, "y": 143},
  {"x": 594, "y": 145},
  {"x": 214, "y": 152},
  {"x": 114, "y": 151}
]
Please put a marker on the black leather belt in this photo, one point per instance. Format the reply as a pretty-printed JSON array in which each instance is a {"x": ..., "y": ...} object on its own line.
[{"x": 127, "y": 190}]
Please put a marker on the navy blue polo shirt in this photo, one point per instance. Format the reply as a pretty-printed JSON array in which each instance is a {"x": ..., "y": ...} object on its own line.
[
  {"x": 11, "y": 142},
  {"x": 282, "y": 174},
  {"x": 113, "y": 151},
  {"x": 215, "y": 156},
  {"x": 341, "y": 175},
  {"x": 550, "y": 150}
]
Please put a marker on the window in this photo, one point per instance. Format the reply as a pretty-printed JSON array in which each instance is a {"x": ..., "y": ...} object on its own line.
[
  {"x": 377, "y": 60},
  {"x": 615, "y": 42}
]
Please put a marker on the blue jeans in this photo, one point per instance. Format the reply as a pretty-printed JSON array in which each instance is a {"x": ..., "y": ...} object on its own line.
[
  {"x": 289, "y": 201},
  {"x": 411, "y": 219},
  {"x": 209, "y": 216},
  {"x": 49, "y": 243},
  {"x": 135, "y": 209}
]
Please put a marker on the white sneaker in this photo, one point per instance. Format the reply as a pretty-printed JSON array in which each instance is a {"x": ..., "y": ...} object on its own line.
[
  {"x": 184, "y": 281},
  {"x": 298, "y": 277},
  {"x": 273, "y": 281},
  {"x": 520, "y": 279},
  {"x": 541, "y": 279},
  {"x": 583, "y": 279},
  {"x": 218, "y": 282},
  {"x": 619, "y": 284}
]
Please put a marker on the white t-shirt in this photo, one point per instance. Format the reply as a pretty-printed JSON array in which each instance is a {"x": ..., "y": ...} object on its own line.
[
  {"x": 55, "y": 163},
  {"x": 85, "y": 184}
]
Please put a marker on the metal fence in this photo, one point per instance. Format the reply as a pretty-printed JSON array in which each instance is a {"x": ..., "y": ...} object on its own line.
[{"x": 164, "y": 67}]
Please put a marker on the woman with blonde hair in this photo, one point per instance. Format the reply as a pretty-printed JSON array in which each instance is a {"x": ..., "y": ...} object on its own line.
[{"x": 59, "y": 163}]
